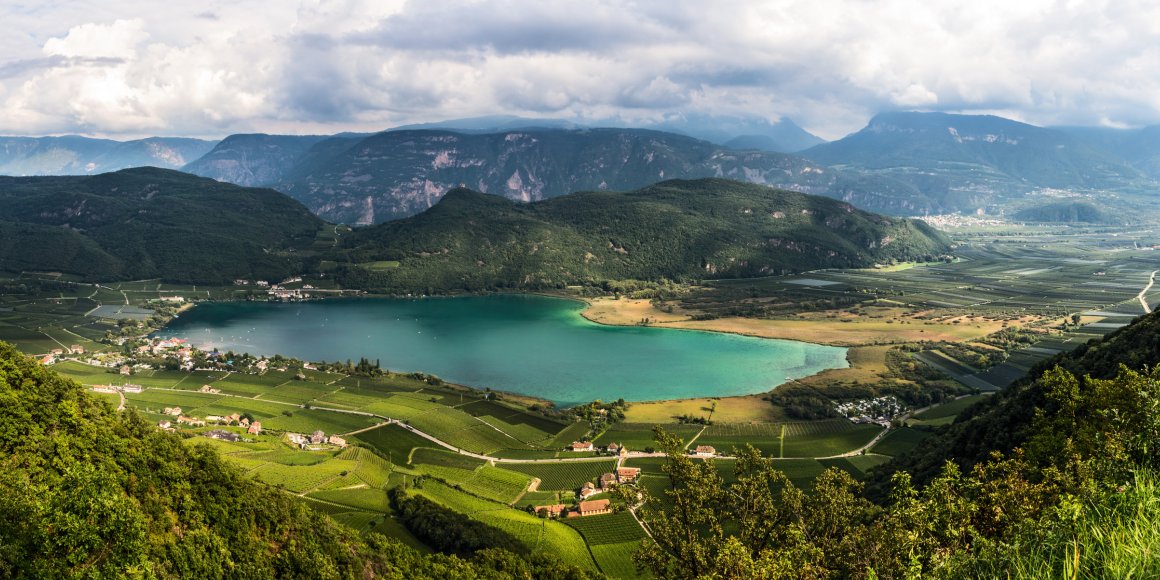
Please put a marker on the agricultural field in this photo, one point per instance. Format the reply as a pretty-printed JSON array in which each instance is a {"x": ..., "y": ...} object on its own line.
[
  {"x": 947, "y": 412},
  {"x": 559, "y": 476},
  {"x": 611, "y": 538},
  {"x": 900, "y": 440},
  {"x": 639, "y": 436},
  {"x": 801, "y": 439}
]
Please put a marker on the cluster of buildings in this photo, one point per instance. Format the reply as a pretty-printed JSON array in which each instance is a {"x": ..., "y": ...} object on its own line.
[
  {"x": 316, "y": 438},
  {"x": 587, "y": 507},
  {"x": 253, "y": 428},
  {"x": 588, "y": 446},
  {"x": 878, "y": 411},
  {"x": 123, "y": 388}
]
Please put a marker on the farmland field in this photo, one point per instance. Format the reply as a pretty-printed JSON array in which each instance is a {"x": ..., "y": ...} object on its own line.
[
  {"x": 638, "y": 436},
  {"x": 900, "y": 440},
  {"x": 802, "y": 439},
  {"x": 569, "y": 475}
]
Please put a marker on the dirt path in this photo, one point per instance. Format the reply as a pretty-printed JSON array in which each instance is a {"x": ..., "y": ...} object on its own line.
[{"x": 1140, "y": 296}]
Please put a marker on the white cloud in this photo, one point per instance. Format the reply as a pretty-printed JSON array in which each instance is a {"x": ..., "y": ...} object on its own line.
[{"x": 140, "y": 67}]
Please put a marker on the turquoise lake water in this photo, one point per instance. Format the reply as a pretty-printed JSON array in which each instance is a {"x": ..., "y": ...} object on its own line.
[{"x": 532, "y": 345}]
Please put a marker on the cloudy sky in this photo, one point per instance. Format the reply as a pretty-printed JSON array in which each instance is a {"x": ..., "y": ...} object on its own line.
[{"x": 129, "y": 68}]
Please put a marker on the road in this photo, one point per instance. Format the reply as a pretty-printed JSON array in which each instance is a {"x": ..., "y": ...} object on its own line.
[{"x": 1140, "y": 296}]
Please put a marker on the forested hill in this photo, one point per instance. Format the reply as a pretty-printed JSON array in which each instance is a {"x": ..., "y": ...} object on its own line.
[
  {"x": 150, "y": 223},
  {"x": 1006, "y": 420},
  {"x": 709, "y": 228},
  {"x": 90, "y": 493}
]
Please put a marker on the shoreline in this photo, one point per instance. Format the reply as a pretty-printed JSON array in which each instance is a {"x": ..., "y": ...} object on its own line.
[{"x": 587, "y": 305}]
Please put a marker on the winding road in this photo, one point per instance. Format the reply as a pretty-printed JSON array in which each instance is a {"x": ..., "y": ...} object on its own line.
[{"x": 1140, "y": 296}]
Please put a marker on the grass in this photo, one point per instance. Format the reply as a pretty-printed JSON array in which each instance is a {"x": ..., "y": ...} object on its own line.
[
  {"x": 899, "y": 441},
  {"x": 393, "y": 442},
  {"x": 802, "y": 439},
  {"x": 571, "y": 475},
  {"x": 729, "y": 409},
  {"x": 951, "y": 409},
  {"x": 1117, "y": 536},
  {"x": 608, "y": 529},
  {"x": 638, "y": 436},
  {"x": 856, "y": 465},
  {"x": 615, "y": 560}
]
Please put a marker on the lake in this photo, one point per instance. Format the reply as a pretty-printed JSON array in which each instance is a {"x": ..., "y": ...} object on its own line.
[{"x": 533, "y": 345}]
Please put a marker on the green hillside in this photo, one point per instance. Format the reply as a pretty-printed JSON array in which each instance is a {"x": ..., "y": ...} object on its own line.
[
  {"x": 150, "y": 223},
  {"x": 686, "y": 230},
  {"x": 90, "y": 493}
]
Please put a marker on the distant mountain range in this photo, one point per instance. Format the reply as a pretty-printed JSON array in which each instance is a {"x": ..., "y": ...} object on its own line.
[
  {"x": 395, "y": 174},
  {"x": 968, "y": 162},
  {"x": 680, "y": 230},
  {"x": 74, "y": 155},
  {"x": 902, "y": 163},
  {"x": 151, "y": 223}
]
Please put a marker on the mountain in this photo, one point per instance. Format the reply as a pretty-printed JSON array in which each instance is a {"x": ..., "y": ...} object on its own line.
[
  {"x": 151, "y": 223},
  {"x": 735, "y": 132},
  {"x": 1138, "y": 147},
  {"x": 253, "y": 159},
  {"x": 708, "y": 228},
  {"x": 965, "y": 162},
  {"x": 1065, "y": 212},
  {"x": 74, "y": 155},
  {"x": 395, "y": 174}
]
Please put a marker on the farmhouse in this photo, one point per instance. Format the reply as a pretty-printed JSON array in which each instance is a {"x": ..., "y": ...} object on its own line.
[
  {"x": 208, "y": 389},
  {"x": 582, "y": 446},
  {"x": 297, "y": 439},
  {"x": 587, "y": 490},
  {"x": 705, "y": 451},
  {"x": 76, "y": 349},
  {"x": 607, "y": 481},
  {"x": 175, "y": 411},
  {"x": 318, "y": 437},
  {"x": 551, "y": 511},
  {"x": 166, "y": 425},
  {"x": 336, "y": 440},
  {"x": 627, "y": 474},
  {"x": 255, "y": 428},
  {"x": 104, "y": 388},
  {"x": 191, "y": 421},
  {"x": 594, "y": 507},
  {"x": 612, "y": 448},
  {"x": 131, "y": 388}
]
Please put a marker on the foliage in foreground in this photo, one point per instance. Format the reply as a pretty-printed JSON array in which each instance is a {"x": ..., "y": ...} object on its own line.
[
  {"x": 1079, "y": 500},
  {"x": 91, "y": 493}
]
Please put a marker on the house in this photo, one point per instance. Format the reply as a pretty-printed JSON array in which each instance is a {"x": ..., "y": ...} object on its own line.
[
  {"x": 56, "y": 351},
  {"x": 244, "y": 422},
  {"x": 223, "y": 435},
  {"x": 607, "y": 481},
  {"x": 336, "y": 440},
  {"x": 587, "y": 490},
  {"x": 627, "y": 474},
  {"x": 126, "y": 370},
  {"x": 48, "y": 359},
  {"x": 104, "y": 388},
  {"x": 235, "y": 418},
  {"x": 612, "y": 448},
  {"x": 175, "y": 411},
  {"x": 191, "y": 421},
  {"x": 131, "y": 388},
  {"x": 594, "y": 507},
  {"x": 165, "y": 425},
  {"x": 318, "y": 437},
  {"x": 76, "y": 349},
  {"x": 297, "y": 439},
  {"x": 208, "y": 389},
  {"x": 551, "y": 511},
  {"x": 214, "y": 418},
  {"x": 255, "y": 428},
  {"x": 705, "y": 451},
  {"x": 582, "y": 446}
]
